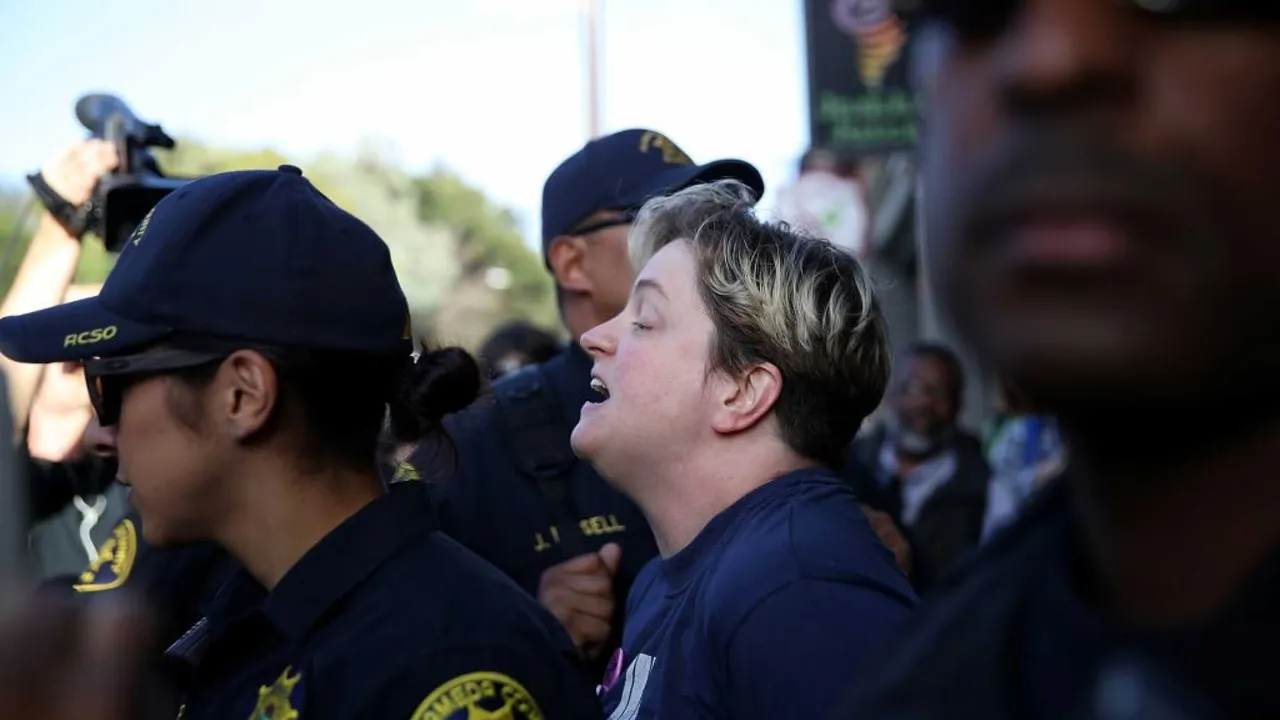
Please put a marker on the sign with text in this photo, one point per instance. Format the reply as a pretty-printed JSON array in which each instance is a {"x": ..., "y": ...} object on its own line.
[{"x": 860, "y": 95}]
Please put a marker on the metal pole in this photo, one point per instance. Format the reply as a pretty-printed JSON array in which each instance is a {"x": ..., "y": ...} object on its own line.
[{"x": 592, "y": 21}]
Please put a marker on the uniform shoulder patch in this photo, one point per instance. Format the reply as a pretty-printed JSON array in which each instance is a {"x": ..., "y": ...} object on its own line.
[
  {"x": 114, "y": 562},
  {"x": 479, "y": 696}
]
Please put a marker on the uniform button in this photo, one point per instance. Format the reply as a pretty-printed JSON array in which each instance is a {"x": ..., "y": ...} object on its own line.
[{"x": 291, "y": 169}]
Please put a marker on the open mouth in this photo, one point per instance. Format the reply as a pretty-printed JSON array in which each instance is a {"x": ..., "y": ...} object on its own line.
[{"x": 600, "y": 389}]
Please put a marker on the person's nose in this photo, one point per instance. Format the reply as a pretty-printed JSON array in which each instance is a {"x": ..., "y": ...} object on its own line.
[
  {"x": 99, "y": 440},
  {"x": 1064, "y": 57},
  {"x": 600, "y": 340}
]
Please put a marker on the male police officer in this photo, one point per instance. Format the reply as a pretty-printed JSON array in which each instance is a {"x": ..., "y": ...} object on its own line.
[
  {"x": 1102, "y": 188},
  {"x": 514, "y": 493}
]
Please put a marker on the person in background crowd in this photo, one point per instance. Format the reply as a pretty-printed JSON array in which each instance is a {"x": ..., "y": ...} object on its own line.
[
  {"x": 725, "y": 393},
  {"x": 1025, "y": 453},
  {"x": 68, "y": 490},
  {"x": 68, "y": 534},
  {"x": 920, "y": 468},
  {"x": 828, "y": 199},
  {"x": 515, "y": 345},
  {"x": 513, "y": 491},
  {"x": 66, "y": 484},
  {"x": 234, "y": 305},
  {"x": 1102, "y": 179}
]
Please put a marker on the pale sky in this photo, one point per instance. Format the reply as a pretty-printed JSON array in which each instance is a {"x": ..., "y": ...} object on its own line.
[{"x": 493, "y": 89}]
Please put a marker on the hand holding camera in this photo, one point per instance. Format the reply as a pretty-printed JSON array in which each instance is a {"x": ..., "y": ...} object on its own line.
[{"x": 74, "y": 174}]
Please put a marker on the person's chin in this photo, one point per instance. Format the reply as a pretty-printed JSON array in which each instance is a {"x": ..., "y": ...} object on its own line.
[
  {"x": 1081, "y": 368},
  {"x": 583, "y": 439}
]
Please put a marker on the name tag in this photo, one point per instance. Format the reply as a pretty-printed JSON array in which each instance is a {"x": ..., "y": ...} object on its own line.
[{"x": 589, "y": 527}]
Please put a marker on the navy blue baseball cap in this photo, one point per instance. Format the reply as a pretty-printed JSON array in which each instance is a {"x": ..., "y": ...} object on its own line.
[
  {"x": 254, "y": 255},
  {"x": 620, "y": 172}
]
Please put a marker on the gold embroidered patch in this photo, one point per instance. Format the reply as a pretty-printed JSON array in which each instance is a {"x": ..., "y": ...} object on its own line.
[
  {"x": 114, "y": 561},
  {"x": 671, "y": 153},
  {"x": 479, "y": 696}
]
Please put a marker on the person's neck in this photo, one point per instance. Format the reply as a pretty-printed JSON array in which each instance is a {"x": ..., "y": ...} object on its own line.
[
  {"x": 680, "y": 499},
  {"x": 1175, "y": 521},
  {"x": 283, "y": 514}
]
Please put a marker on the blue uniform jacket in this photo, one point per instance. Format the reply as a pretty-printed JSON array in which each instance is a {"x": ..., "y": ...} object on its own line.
[{"x": 384, "y": 618}]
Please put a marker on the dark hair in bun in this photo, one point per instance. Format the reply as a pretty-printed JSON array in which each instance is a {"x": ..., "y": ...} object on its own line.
[{"x": 439, "y": 383}]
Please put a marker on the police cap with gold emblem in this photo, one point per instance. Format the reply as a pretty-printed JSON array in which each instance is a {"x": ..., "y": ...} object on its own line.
[
  {"x": 257, "y": 255},
  {"x": 620, "y": 172}
]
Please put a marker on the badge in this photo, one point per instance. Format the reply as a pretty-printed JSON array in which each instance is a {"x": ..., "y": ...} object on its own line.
[
  {"x": 276, "y": 702},
  {"x": 479, "y": 696},
  {"x": 405, "y": 472},
  {"x": 114, "y": 561}
]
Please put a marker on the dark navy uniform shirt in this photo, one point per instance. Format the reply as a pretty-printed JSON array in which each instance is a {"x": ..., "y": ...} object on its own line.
[
  {"x": 766, "y": 614},
  {"x": 1014, "y": 635},
  {"x": 176, "y": 581},
  {"x": 485, "y": 502},
  {"x": 383, "y": 618}
]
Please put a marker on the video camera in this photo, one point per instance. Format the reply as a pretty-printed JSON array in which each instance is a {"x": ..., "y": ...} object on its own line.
[
  {"x": 126, "y": 195},
  {"x": 123, "y": 197}
]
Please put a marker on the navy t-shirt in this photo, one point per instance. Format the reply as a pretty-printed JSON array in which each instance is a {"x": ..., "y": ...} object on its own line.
[
  {"x": 767, "y": 613},
  {"x": 384, "y": 618}
]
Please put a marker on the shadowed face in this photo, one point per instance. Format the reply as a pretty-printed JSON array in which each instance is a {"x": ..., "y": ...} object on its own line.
[
  {"x": 167, "y": 466},
  {"x": 1101, "y": 198},
  {"x": 923, "y": 404}
]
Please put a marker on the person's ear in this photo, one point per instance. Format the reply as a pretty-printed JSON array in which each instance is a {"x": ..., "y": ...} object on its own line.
[
  {"x": 745, "y": 400},
  {"x": 567, "y": 256},
  {"x": 248, "y": 393}
]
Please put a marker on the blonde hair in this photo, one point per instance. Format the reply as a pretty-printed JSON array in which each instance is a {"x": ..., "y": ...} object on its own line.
[{"x": 780, "y": 296}]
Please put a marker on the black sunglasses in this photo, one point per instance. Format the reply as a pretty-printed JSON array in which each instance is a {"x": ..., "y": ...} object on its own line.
[
  {"x": 626, "y": 218},
  {"x": 107, "y": 378},
  {"x": 984, "y": 18}
]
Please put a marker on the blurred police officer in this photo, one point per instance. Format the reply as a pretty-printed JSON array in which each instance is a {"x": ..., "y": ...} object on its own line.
[
  {"x": 71, "y": 494},
  {"x": 211, "y": 356},
  {"x": 1102, "y": 185},
  {"x": 726, "y": 395},
  {"x": 175, "y": 580},
  {"x": 514, "y": 492}
]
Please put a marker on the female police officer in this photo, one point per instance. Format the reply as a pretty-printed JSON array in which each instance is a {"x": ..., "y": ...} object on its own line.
[{"x": 243, "y": 352}]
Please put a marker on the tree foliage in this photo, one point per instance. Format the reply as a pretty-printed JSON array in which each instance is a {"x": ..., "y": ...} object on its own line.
[
  {"x": 14, "y": 239},
  {"x": 490, "y": 251},
  {"x": 19, "y": 218},
  {"x": 460, "y": 259}
]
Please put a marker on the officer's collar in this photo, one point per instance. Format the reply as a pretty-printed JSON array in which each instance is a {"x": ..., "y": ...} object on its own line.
[{"x": 336, "y": 565}]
